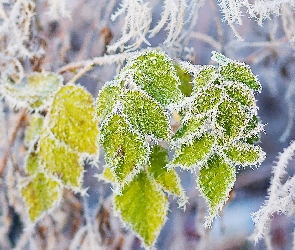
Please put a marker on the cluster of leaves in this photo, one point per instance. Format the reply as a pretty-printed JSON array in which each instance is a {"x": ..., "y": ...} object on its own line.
[
  {"x": 57, "y": 142},
  {"x": 216, "y": 109},
  {"x": 219, "y": 127}
]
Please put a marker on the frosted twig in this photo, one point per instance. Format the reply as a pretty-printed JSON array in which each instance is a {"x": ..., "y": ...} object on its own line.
[
  {"x": 217, "y": 21},
  {"x": 137, "y": 23},
  {"x": 281, "y": 196},
  {"x": 173, "y": 16},
  {"x": 99, "y": 61},
  {"x": 207, "y": 39}
]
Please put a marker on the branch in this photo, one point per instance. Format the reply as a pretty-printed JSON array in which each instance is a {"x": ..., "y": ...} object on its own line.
[{"x": 99, "y": 61}]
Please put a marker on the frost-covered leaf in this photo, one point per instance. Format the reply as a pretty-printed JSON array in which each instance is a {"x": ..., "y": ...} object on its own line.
[
  {"x": 206, "y": 100},
  {"x": 252, "y": 130},
  {"x": 240, "y": 94},
  {"x": 189, "y": 128},
  {"x": 153, "y": 71},
  {"x": 37, "y": 92},
  {"x": 41, "y": 193},
  {"x": 244, "y": 154},
  {"x": 107, "y": 175},
  {"x": 146, "y": 115},
  {"x": 231, "y": 118},
  {"x": 125, "y": 150},
  {"x": 34, "y": 129},
  {"x": 206, "y": 76},
  {"x": 106, "y": 100},
  {"x": 215, "y": 181},
  {"x": 61, "y": 161},
  {"x": 71, "y": 119},
  {"x": 168, "y": 179},
  {"x": 185, "y": 78},
  {"x": 193, "y": 152},
  {"x": 143, "y": 207},
  {"x": 32, "y": 163},
  {"x": 235, "y": 71}
]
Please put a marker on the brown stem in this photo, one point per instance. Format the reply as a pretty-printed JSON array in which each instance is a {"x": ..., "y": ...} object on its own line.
[{"x": 19, "y": 121}]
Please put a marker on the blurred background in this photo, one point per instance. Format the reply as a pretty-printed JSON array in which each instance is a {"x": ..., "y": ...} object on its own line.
[{"x": 80, "y": 221}]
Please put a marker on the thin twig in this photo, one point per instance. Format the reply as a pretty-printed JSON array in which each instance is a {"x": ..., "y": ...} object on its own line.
[
  {"x": 99, "y": 61},
  {"x": 18, "y": 124},
  {"x": 217, "y": 22},
  {"x": 81, "y": 73}
]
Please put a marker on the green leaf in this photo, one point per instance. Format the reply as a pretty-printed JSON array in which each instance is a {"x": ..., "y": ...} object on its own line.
[
  {"x": 193, "y": 152},
  {"x": 41, "y": 193},
  {"x": 206, "y": 76},
  {"x": 37, "y": 92},
  {"x": 252, "y": 130},
  {"x": 215, "y": 181},
  {"x": 185, "y": 78},
  {"x": 34, "y": 129},
  {"x": 61, "y": 161},
  {"x": 231, "y": 118},
  {"x": 153, "y": 71},
  {"x": 125, "y": 150},
  {"x": 71, "y": 119},
  {"x": 189, "y": 127},
  {"x": 106, "y": 100},
  {"x": 244, "y": 154},
  {"x": 168, "y": 179},
  {"x": 146, "y": 115},
  {"x": 32, "y": 163},
  {"x": 240, "y": 94},
  {"x": 206, "y": 100},
  {"x": 143, "y": 207},
  {"x": 107, "y": 175},
  {"x": 236, "y": 71}
]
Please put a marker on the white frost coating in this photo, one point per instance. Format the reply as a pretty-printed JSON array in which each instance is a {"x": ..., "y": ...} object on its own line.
[
  {"x": 232, "y": 10},
  {"x": 58, "y": 8},
  {"x": 263, "y": 8},
  {"x": 281, "y": 195},
  {"x": 260, "y": 9},
  {"x": 15, "y": 21},
  {"x": 173, "y": 16},
  {"x": 137, "y": 23}
]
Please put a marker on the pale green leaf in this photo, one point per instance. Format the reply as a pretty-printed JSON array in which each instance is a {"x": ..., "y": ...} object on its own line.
[
  {"x": 168, "y": 179},
  {"x": 206, "y": 100},
  {"x": 215, "y": 181},
  {"x": 61, "y": 161},
  {"x": 244, "y": 154},
  {"x": 206, "y": 76},
  {"x": 240, "y": 94},
  {"x": 107, "y": 175},
  {"x": 146, "y": 115},
  {"x": 106, "y": 100},
  {"x": 32, "y": 163},
  {"x": 125, "y": 150},
  {"x": 37, "y": 92},
  {"x": 194, "y": 152},
  {"x": 143, "y": 207},
  {"x": 231, "y": 117},
  {"x": 153, "y": 71},
  {"x": 41, "y": 193},
  {"x": 71, "y": 119},
  {"x": 189, "y": 127},
  {"x": 236, "y": 71},
  {"x": 34, "y": 129}
]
